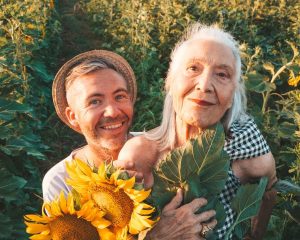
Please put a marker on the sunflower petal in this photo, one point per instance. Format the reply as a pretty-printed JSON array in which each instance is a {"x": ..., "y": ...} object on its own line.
[{"x": 106, "y": 234}]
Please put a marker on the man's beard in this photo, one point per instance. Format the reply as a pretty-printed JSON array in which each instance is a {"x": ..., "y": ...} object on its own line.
[{"x": 110, "y": 143}]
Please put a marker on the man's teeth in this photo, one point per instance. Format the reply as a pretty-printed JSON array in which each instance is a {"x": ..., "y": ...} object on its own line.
[{"x": 113, "y": 126}]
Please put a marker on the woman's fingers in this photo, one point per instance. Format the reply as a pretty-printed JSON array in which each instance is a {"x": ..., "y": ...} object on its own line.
[
  {"x": 212, "y": 224},
  {"x": 175, "y": 202},
  {"x": 196, "y": 204},
  {"x": 205, "y": 216},
  {"x": 205, "y": 229}
]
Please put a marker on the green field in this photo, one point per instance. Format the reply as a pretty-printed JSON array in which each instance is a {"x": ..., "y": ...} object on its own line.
[{"x": 37, "y": 37}]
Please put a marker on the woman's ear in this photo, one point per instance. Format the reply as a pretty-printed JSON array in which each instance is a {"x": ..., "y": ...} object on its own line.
[{"x": 72, "y": 118}]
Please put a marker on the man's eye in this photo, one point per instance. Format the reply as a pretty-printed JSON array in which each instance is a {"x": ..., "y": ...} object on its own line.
[
  {"x": 121, "y": 97},
  {"x": 95, "y": 102}
]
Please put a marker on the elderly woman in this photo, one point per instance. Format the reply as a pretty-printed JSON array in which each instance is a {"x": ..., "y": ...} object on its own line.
[{"x": 203, "y": 87}]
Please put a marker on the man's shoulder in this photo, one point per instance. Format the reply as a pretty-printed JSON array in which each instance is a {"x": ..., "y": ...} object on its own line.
[
  {"x": 54, "y": 179},
  {"x": 57, "y": 169}
]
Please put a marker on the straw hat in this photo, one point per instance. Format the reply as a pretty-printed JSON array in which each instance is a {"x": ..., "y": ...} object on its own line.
[{"x": 58, "y": 87}]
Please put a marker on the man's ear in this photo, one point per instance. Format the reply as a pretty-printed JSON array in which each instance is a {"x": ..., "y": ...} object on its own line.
[{"x": 72, "y": 118}]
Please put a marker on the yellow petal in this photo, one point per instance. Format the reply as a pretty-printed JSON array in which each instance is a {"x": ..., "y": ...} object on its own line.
[
  {"x": 126, "y": 184},
  {"x": 106, "y": 234},
  {"x": 37, "y": 228},
  {"x": 101, "y": 223},
  {"x": 34, "y": 218},
  {"x": 41, "y": 237}
]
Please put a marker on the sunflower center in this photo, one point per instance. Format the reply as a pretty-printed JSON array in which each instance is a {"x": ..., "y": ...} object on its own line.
[
  {"x": 69, "y": 227},
  {"x": 117, "y": 204}
]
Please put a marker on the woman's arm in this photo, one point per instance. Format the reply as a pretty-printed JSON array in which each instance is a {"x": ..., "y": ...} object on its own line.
[{"x": 249, "y": 170}]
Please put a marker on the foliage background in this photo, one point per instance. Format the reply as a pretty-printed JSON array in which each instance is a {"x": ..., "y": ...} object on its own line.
[{"x": 37, "y": 37}]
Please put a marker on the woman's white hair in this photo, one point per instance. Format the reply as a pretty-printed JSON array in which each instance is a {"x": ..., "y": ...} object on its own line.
[{"x": 165, "y": 134}]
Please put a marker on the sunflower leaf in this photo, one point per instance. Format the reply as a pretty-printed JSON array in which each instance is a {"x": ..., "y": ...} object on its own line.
[
  {"x": 284, "y": 186},
  {"x": 247, "y": 202},
  {"x": 10, "y": 184},
  {"x": 200, "y": 168}
]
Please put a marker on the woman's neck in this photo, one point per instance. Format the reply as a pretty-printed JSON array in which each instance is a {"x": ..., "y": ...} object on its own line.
[{"x": 184, "y": 132}]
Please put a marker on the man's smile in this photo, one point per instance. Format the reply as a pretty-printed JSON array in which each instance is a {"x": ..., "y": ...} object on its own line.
[{"x": 113, "y": 126}]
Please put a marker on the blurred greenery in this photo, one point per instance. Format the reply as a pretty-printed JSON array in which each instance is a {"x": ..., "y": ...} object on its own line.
[{"x": 36, "y": 37}]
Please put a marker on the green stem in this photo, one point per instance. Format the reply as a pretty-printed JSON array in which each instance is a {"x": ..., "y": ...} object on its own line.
[{"x": 266, "y": 98}]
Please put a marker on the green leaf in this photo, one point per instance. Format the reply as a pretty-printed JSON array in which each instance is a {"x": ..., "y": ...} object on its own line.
[
  {"x": 255, "y": 82},
  {"x": 9, "y": 108},
  {"x": 200, "y": 168},
  {"x": 162, "y": 191},
  {"x": 12, "y": 106},
  {"x": 5, "y": 226},
  {"x": 247, "y": 201},
  {"x": 286, "y": 130},
  {"x": 40, "y": 69},
  {"x": 214, "y": 161},
  {"x": 10, "y": 184},
  {"x": 285, "y": 187}
]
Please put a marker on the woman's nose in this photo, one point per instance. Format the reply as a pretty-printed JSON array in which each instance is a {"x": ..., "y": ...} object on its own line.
[{"x": 204, "y": 82}]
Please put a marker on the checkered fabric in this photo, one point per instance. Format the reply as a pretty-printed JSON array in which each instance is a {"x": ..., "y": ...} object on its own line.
[{"x": 245, "y": 142}]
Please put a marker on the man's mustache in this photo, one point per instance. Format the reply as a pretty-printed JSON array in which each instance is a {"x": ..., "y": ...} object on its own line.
[{"x": 110, "y": 120}]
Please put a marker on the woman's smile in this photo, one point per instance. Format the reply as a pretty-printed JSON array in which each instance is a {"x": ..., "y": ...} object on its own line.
[{"x": 201, "y": 102}]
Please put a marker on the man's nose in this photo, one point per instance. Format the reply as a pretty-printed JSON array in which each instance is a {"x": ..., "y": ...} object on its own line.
[
  {"x": 111, "y": 110},
  {"x": 204, "y": 81}
]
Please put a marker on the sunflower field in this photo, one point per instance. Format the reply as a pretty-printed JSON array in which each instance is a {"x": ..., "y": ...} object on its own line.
[{"x": 37, "y": 37}]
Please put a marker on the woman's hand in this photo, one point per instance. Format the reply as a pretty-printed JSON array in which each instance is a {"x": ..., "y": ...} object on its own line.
[{"x": 181, "y": 222}]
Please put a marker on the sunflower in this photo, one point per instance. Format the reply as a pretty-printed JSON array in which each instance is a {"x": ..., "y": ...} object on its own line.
[
  {"x": 117, "y": 197},
  {"x": 63, "y": 221}
]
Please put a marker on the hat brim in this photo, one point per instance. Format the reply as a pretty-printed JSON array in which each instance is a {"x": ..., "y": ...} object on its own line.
[{"x": 58, "y": 86}]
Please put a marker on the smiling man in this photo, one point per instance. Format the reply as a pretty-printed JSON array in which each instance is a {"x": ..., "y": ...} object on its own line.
[{"x": 94, "y": 94}]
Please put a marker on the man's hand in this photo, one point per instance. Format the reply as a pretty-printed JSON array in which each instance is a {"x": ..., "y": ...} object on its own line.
[
  {"x": 182, "y": 222},
  {"x": 129, "y": 167}
]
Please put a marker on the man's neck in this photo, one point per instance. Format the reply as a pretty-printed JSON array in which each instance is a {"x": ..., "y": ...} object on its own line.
[{"x": 97, "y": 156}]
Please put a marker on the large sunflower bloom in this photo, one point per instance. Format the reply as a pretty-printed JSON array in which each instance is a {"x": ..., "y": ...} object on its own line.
[
  {"x": 63, "y": 221},
  {"x": 117, "y": 197}
]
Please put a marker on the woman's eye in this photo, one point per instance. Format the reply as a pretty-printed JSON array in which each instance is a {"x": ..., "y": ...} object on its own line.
[
  {"x": 192, "y": 68},
  {"x": 223, "y": 75}
]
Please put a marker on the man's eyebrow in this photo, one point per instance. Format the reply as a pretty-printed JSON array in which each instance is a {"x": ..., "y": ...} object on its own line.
[
  {"x": 121, "y": 90},
  {"x": 95, "y": 95}
]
